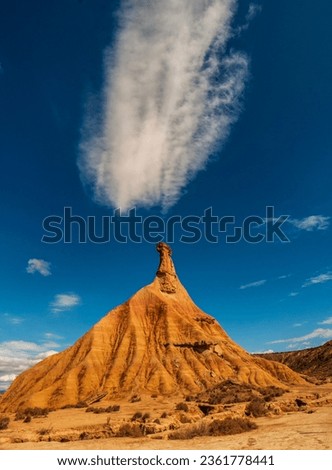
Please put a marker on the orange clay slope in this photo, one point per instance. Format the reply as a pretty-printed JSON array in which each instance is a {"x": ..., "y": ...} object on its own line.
[{"x": 158, "y": 341}]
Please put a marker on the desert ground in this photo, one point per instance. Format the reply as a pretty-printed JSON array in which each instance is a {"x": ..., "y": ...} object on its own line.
[{"x": 299, "y": 419}]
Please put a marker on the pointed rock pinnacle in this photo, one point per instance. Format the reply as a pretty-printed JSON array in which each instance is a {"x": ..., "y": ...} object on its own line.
[{"x": 166, "y": 272}]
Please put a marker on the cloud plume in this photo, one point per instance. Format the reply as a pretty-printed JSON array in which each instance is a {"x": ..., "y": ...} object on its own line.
[{"x": 172, "y": 91}]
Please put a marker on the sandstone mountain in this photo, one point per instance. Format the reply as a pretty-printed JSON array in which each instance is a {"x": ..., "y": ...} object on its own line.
[
  {"x": 315, "y": 362},
  {"x": 158, "y": 341}
]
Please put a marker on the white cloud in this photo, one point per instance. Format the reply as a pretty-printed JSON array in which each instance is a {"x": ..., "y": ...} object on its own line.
[
  {"x": 284, "y": 276},
  {"x": 313, "y": 222},
  {"x": 267, "y": 351},
  {"x": 39, "y": 266},
  {"x": 318, "y": 333},
  {"x": 253, "y": 284},
  {"x": 64, "y": 302},
  {"x": 328, "y": 321},
  {"x": 170, "y": 96},
  {"x": 17, "y": 356},
  {"x": 7, "y": 378},
  {"x": 320, "y": 279}
]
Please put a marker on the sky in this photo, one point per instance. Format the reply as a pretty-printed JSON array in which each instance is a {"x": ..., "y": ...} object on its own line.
[{"x": 171, "y": 109}]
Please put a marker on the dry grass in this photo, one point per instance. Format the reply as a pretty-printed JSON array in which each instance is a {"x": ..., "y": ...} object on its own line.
[
  {"x": 44, "y": 431},
  {"x": 225, "y": 427}
]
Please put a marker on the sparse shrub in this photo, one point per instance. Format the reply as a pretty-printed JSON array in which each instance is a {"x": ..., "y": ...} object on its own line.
[
  {"x": 81, "y": 404},
  {"x": 145, "y": 417},
  {"x": 37, "y": 412},
  {"x": 269, "y": 393},
  {"x": 164, "y": 415},
  {"x": 4, "y": 421},
  {"x": 135, "y": 398},
  {"x": 130, "y": 430},
  {"x": 154, "y": 395},
  {"x": 182, "y": 407},
  {"x": 98, "y": 410},
  {"x": 28, "y": 413},
  {"x": 230, "y": 426},
  {"x": 19, "y": 415},
  {"x": 190, "y": 398},
  {"x": 112, "y": 409},
  {"x": 136, "y": 416},
  {"x": 256, "y": 408},
  {"x": 228, "y": 392},
  {"x": 216, "y": 427}
]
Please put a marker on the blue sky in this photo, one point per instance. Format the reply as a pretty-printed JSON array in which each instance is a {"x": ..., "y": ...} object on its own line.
[{"x": 274, "y": 150}]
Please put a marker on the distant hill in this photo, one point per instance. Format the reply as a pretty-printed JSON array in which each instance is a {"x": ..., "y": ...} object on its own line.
[{"x": 315, "y": 362}]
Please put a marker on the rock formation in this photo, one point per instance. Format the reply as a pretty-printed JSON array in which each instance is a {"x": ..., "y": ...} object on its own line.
[{"x": 158, "y": 341}]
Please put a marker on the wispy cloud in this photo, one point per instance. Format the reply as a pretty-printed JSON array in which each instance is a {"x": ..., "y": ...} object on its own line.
[
  {"x": 328, "y": 321},
  {"x": 64, "y": 302},
  {"x": 293, "y": 294},
  {"x": 172, "y": 93},
  {"x": 284, "y": 276},
  {"x": 313, "y": 222},
  {"x": 324, "y": 333},
  {"x": 320, "y": 279},
  {"x": 253, "y": 10},
  {"x": 254, "y": 284},
  {"x": 49, "y": 335},
  {"x": 298, "y": 346},
  {"x": 39, "y": 266},
  {"x": 12, "y": 319},
  {"x": 17, "y": 356}
]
